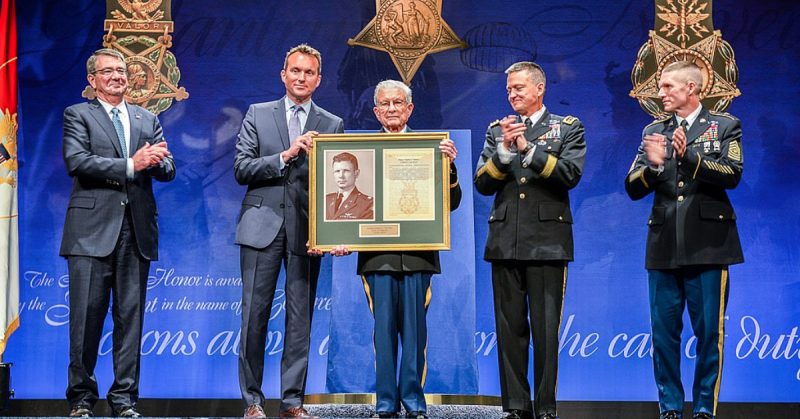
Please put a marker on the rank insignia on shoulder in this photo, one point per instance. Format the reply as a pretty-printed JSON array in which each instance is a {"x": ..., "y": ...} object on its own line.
[
  {"x": 569, "y": 120},
  {"x": 659, "y": 121},
  {"x": 725, "y": 114},
  {"x": 495, "y": 123}
]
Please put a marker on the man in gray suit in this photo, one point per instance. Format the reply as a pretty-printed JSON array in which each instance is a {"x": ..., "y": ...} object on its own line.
[
  {"x": 113, "y": 150},
  {"x": 271, "y": 159}
]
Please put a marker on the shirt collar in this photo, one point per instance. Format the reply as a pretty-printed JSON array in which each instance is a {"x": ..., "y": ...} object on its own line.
[
  {"x": 536, "y": 116},
  {"x": 346, "y": 194},
  {"x": 123, "y": 108},
  {"x": 305, "y": 105},
  {"x": 404, "y": 130},
  {"x": 691, "y": 117}
]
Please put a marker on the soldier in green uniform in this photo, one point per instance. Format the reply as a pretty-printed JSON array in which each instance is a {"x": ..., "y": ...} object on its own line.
[
  {"x": 688, "y": 161},
  {"x": 398, "y": 285},
  {"x": 529, "y": 163}
]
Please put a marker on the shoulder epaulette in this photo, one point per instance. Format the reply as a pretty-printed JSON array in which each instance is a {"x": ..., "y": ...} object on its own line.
[
  {"x": 725, "y": 114},
  {"x": 658, "y": 121},
  {"x": 569, "y": 119},
  {"x": 495, "y": 123}
]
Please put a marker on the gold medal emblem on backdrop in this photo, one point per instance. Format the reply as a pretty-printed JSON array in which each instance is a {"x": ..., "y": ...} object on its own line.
[
  {"x": 684, "y": 31},
  {"x": 408, "y": 30},
  {"x": 8, "y": 148},
  {"x": 140, "y": 30}
]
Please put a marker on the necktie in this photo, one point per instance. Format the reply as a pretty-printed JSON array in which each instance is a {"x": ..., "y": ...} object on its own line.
[
  {"x": 685, "y": 126},
  {"x": 338, "y": 201},
  {"x": 120, "y": 131},
  {"x": 528, "y": 123},
  {"x": 294, "y": 123}
]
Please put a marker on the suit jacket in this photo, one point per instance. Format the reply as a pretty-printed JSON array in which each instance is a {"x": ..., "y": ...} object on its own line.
[
  {"x": 275, "y": 196},
  {"x": 531, "y": 218},
  {"x": 100, "y": 187},
  {"x": 692, "y": 220},
  {"x": 420, "y": 261},
  {"x": 357, "y": 206}
]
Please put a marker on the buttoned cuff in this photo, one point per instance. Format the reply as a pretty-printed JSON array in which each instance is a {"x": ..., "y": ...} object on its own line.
[
  {"x": 504, "y": 155},
  {"x": 129, "y": 172},
  {"x": 529, "y": 156}
]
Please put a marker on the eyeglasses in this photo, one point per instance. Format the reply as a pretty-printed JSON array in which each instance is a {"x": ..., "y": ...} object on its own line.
[
  {"x": 105, "y": 72},
  {"x": 399, "y": 104}
]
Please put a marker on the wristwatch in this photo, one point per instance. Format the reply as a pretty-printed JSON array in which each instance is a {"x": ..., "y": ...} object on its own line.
[{"x": 527, "y": 148}]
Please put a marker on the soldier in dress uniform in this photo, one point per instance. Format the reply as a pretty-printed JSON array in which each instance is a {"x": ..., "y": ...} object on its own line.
[
  {"x": 529, "y": 163},
  {"x": 398, "y": 285},
  {"x": 688, "y": 160},
  {"x": 348, "y": 203}
]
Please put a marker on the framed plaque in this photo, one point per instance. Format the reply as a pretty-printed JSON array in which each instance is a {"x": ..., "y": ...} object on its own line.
[{"x": 379, "y": 191}]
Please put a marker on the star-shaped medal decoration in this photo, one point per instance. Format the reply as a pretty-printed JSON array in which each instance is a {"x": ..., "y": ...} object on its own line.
[
  {"x": 408, "y": 30},
  {"x": 684, "y": 31}
]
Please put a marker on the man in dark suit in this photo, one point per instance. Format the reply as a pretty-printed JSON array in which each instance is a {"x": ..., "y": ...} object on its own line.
[
  {"x": 348, "y": 203},
  {"x": 688, "y": 160},
  {"x": 397, "y": 284},
  {"x": 113, "y": 150},
  {"x": 529, "y": 163},
  {"x": 271, "y": 159}
]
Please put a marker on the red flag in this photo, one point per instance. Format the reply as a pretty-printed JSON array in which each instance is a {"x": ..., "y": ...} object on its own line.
[{"x": 9, "y": 233}]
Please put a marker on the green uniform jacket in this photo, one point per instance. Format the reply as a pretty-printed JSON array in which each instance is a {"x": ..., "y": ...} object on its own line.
[
  {"x": 531, "y": 218},
  {"x": 692, "y": 221},
  {"x": 421, "y": 261}
]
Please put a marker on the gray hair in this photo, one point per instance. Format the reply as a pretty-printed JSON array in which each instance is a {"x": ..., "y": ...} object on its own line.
[
  {"x": 91, "y": 63},
  {"x": 534, "y": 70},
  {"x": 392, "y": 84},
  {"x": 689, "y": 72}
]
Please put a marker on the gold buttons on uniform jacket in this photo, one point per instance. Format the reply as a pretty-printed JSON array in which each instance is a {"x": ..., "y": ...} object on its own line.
[
  {"x": 523, "y": 179},
  {"x": 721, "y": 217},
  {"x": 560, "y": 218},
  {"x": 680, "y": 184},
  {"x": 524, "y": 165},
  {"x": 522, "y": 196},
  {"x": 680, "y": 198}
]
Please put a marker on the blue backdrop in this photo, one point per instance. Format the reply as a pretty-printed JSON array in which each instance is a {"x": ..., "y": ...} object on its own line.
[{"x": 230, "y": 55}]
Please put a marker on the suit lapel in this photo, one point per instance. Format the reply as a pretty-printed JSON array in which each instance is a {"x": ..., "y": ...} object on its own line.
[
  {"x": 346, "y": 202},
  {"x": 313, "y": 119},
  {"x": 698, "y": 128},
  {"x": 135, "y": 118},
  {"x": 279, "y": 112},
  {"x": 99, "y": 114}
]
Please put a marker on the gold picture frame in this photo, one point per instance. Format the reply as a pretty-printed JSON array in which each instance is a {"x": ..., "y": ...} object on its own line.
[{"x": 379, "y": 191}]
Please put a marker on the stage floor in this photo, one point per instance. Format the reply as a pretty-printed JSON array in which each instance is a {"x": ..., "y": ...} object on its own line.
[{"x": 199, "y": 408}]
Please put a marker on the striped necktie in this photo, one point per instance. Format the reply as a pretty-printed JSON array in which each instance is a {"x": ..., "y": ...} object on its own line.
[
  {"x": 294, "y": 123},
  {"x": 120, "y": 131}
]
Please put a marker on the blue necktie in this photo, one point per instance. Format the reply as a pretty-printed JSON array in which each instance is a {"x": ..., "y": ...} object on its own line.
[
  {"x": 294, "y": 123},
  {"x": 120, "y": 131}
]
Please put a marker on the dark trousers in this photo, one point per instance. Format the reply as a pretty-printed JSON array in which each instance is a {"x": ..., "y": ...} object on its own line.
[
  {"x": 260, "y": 270},
  {"x": 528, "y": 291},
  {"x": 122, "y": 275},
  {"x": 705, "y": 291},
  {"x": 399, "y": 303}
]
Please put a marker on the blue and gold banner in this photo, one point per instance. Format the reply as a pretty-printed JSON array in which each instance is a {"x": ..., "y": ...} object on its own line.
[{"x": 231, "y": 55}]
